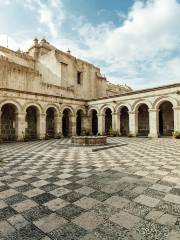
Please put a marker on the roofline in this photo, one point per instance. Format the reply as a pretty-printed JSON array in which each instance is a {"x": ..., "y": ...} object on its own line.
[{"x": 139, "y": 91}]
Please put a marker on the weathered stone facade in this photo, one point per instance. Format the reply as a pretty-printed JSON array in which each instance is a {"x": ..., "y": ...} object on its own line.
[{"x": 47, "y": 92}]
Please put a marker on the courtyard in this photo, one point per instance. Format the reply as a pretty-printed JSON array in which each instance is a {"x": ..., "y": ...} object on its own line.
[{"x": 52, "y": 190}]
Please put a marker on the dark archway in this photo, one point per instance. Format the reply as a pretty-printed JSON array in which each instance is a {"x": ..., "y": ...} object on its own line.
[
  {"x": 8, "y": 122},
  {"x": 143, "y": 120},
  {"x": 31, "y": 120},
  {"x": 94, "y": 122},
  {"x": 79, "y": 122},
  {"x": 66, "y": 123},
  {"x": 108, "y": 120},
  {"x": 166, "y": 119},
  {"x": 124, "y": 121},
  {"x": 50, "y": 122}
]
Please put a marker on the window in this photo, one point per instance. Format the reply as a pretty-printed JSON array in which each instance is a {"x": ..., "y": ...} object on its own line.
[{"x": 79, "y": 77}]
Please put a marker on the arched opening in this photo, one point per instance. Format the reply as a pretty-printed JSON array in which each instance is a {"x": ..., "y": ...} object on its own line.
[
  {"x": 50, "y": 122},
  {"x": 66, "y": 123},
  {"x": 94, "y": 122},
  {"x": 108, "y": 120},
  {"x": 8, "y": 122},
  {"x": 79, "y": 122},
  {"x": 143, "y": 120},
  {"x": 124, "y": 121},
  {"x": 31, "y": 121},
  {"x": 166, "y": 119}
]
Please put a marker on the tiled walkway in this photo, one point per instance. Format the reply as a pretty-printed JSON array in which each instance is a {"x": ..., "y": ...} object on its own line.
[{"x": 51, "y": 190}]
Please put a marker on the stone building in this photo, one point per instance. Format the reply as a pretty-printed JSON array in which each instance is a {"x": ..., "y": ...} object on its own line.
[{"x": 46, "y": 91}]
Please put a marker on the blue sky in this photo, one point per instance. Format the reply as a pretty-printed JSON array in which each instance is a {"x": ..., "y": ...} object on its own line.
[{"x": 135, "y": 42}]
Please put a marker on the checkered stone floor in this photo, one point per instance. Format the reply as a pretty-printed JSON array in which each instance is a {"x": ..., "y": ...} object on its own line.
[{"x": 51, "y": 190}]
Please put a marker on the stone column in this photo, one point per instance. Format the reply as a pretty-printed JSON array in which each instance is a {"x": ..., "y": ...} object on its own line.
[
  {"x": 73, "y": 125},
  {"x": 86, "y": 123},
  {"x": 101, "y": 124},
  {"x": 153, "y": 123},
  {"x": 41, "y": 126},
  {"x": 176, "y": 119},
  {"x": 57, "y": 125},
  {"x": 20, "y": 126},
  {"x": 116, "y": 122},
  {"x": 133, "y": 123}
]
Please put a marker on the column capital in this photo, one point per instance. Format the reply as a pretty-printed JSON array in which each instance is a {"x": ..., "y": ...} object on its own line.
[
  {"x": 153, "y": 110},
  {"x": 176, "y": 108}
]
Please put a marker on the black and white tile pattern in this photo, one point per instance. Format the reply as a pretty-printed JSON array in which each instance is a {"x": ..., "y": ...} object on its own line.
[{"x": 53, "y": 190}]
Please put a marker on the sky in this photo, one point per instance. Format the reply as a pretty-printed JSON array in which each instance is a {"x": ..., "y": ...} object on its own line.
[{"x": 134, "y": 42}]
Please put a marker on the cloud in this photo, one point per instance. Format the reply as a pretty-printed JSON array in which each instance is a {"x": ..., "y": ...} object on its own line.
[
  {"x": 50, "y": 14},
  {"x": 142, "y": 51}
]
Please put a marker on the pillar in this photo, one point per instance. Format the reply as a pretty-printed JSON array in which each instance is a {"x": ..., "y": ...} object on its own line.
[
  {"x": 153, "y": 123},
  {"x": 20, "y": 126},
  {"x": 133, "y": 123},
  {"x": 73, "y": 125},
  {"x": 57, "y": 125},
  {"x": 41, "y": 126},
  {"x": 176, "y": 119},
  {"x": 101, "y": 123},
  {"x": 116, "y": 122},
  {"x": 86, "y": 123}
]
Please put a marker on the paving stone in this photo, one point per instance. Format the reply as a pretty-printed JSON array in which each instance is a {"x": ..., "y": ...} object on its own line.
[
  {"x": 8, "y": 193},
  {"x": 34, "y": 192},
  {"x": 67, "y": 232},
  {"x": 147, "y": 230},
  {"x": 172, "y": 198},
  {"x": 148, "y": 201},
  {"x": 125, "y": 219},
  {"x": 174, "y": 235},
  {"x": 50, "y": 222},
  {"x": 70, "y": 211},
  {"x": 5, "y": 229},
  {"x": 86, "y": 202},
  {"x": 29, "y": 232},
  {"x": 161, "y": 188},
  {"x": 17, "y": 184},
  {"x": 60, "y": 191},
  {"x": 56, "y": 204},
  {"x": 18, "y": 221},
  {"x": 2, "y": 204},
  {"x": 85, "y": 190},
  {"x": 88, "y": 220},
  {"x": 167, "y": 219},
  {"x": 24, "y": 205},
  {"x": 117, "y": 202},
  {"x": 153, "y": 215}
]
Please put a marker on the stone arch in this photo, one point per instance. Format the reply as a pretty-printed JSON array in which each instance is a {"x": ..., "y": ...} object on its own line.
[
  {"x": 54, "y": 106},
  {"x": 162, "y": 99},
  {"x": 105, "y": 107},
  {"x": 138, "y": 103},
  {"x": 13, "y": 102},
  {"x": 67, "y": 107},
  {"x": 37, "y": 105},
  {"x": 121, "y": 105},
  {"x": 91, "y": 109},
  {"x": 9, "y": 121},
  {"x": 82, "y": 109}
]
